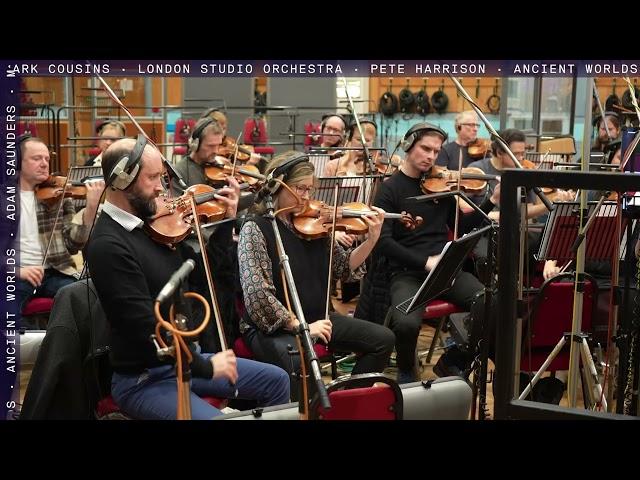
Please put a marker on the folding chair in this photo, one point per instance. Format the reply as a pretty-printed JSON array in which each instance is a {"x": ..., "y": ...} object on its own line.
[{"x": 357, "y": 397}]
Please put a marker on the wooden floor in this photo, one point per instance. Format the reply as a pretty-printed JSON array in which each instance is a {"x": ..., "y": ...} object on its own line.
[{"x": 426, "y": 372}]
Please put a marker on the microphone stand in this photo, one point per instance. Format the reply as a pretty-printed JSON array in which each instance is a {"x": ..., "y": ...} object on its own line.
[
  {"x": 303, "y": 329},
  {"x": 181, "y": 324},
  {"x": 497, "y": 137},
  {"x": 481, "y": 350}
]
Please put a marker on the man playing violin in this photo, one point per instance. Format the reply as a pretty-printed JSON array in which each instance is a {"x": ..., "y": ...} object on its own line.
[
  {"x": 43, "y": 272},
  {"x": 466, "y": 125},
  {"x": 268, "y": 327},
  {"x": 129, "y": 269},
  {"x": 411, "y": 254}
]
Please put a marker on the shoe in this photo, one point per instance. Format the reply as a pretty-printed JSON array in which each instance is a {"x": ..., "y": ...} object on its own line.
[
  {"x": 406, "y": 376},
  {"x": 548, "y": 390},
  {"x": 453, "y": 363}
]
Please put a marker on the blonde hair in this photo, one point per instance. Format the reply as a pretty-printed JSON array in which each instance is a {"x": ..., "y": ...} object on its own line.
[{"x": 292, "y": 175}]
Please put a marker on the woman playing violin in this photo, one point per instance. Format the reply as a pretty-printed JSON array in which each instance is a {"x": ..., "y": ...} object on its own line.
[
  {"x": 411, "y": 254},
  {"x": 44, "y": 271},
  {"x": 268, "y": 327},
  {"x": 129, "y": 269},
  {"x": 466, "y": 125},
  {"x": 353, "y": 162}
]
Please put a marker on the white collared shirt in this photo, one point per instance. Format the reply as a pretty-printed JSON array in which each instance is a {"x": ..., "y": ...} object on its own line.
[{"x": 124, "y": 218}]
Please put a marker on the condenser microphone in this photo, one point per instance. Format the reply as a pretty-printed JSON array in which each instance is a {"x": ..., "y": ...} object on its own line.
[
  {"x": 176, "y": 280},
  {"x": 171, "y": 170}
]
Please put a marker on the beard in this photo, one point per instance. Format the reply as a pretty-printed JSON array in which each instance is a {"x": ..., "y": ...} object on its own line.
[{"x": 144, "y": 207}]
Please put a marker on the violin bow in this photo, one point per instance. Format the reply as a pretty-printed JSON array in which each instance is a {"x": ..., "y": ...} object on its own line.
[
  {"x": 214, "y": 299},
  {"x": 498, "y": 138},
  {"x": 369, "y": 162},
  {"x": 596, "y": 95},
  {"x": 56, "y": 218}
]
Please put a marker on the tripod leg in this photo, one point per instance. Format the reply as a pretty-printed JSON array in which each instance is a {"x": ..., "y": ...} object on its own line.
[
  {"x": 543, "y": 368},
  {"x": 592, "y": 376}
]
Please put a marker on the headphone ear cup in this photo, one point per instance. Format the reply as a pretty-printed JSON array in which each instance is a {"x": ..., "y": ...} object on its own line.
[
  {"x": 194, "y": 144},
  {"x": 119, "y": 178},
  {"x": 407, "y": 143}
]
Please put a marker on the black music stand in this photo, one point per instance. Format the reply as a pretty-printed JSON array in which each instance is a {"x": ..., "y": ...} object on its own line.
[{"x": 442, "y": 276}]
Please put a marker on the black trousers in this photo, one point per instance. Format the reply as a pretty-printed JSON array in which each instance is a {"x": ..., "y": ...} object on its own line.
[
  {"x": 373, "y": 342},
  {"x": 462, "y": 293}
]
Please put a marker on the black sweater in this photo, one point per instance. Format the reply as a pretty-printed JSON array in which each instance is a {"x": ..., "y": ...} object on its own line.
[
  {"x": 129, "y": 269},
  {"x": 408, "y": 249}
]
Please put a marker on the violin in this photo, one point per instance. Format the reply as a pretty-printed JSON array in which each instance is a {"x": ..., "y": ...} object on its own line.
[
  {"x": 440, "y": 179},
  {"x": 479, "y": 148},
  {"x": 384, "y": 165},
  {"x": 316, "y": 219},
  {"x": 52, "y": 188},
  {"x": 244, "y": 152},
  {"x": 174, "y": 220},
  {"x": 220, "y": 168}
]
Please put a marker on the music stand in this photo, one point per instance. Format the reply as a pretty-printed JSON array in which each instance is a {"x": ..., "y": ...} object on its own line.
[
  {"x": 560, "y": 241},
  {"x": 442, "y": 276},
  {"x": 77, "y": 174}
]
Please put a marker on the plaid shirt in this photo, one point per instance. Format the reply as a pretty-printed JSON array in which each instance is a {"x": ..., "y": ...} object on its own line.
[{"x": 68, "y": 238}]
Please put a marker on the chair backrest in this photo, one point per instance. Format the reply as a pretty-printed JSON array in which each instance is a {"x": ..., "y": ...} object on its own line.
[
  {"x": 552, "y": 312},
  {"x": 356, "y": 397},
  {"x": 184, "y": 127},
  {"x": 255, "y": 131}
]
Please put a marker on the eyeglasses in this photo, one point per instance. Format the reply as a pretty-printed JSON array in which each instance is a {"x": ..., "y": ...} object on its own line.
[
  {"x": 302, "y": 189},
  {"x": 477, "y": 125}
]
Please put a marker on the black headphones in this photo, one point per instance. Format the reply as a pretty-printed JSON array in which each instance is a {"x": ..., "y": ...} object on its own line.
[
  {"x": 24, "y": 137},
  {"x": 196, "y": 135},
  {"x": 285, "y": 169},
  {"x": 127, "y": 168},
  {"x": 106, "y": 122},
  {"x": 354, "y": 126},
  {"x": 328, "y": 116},
  {"x": 209, "y": 111},
  {"x": 412, "y": 134}
]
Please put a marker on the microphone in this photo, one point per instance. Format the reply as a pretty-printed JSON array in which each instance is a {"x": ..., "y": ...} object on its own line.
[
  {"x": 176, "y": 280},
  {"x": 268, "y": 188},
  {"x": 174, "y": 174}
]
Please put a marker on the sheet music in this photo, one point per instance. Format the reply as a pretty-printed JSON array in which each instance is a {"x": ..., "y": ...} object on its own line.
[
  {"x": 78, "y": 173},
  {"x": 319, "y": 161},
  {"x": 623, "y": 241},
  {"x": 562, "y": 227}
]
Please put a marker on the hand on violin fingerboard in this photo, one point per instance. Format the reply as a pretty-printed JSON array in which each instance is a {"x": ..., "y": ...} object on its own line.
[
  {"x": 229, "y": 195},
  {"x": 375, "y": 224},
  {"x": 495, "y": 195}
]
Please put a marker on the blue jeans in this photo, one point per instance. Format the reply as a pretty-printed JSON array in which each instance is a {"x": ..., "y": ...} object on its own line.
[{"x": 153, "y": 394}]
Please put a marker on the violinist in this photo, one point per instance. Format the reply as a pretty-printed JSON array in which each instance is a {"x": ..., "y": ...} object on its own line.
[
  {"x": 109, "y": 131},
  {"x": 219, "y": 116},
  {"x": 333, "y": 128},
  {"x": 43, "y": 271},
  {"x": 603, "y": 137},
  {"x": 411, "y": 254},
  {"x": 466, "y": 124},
  {"x": 500, "y": 160},
  {"x": 129, "y": 269},
  {"x": 204, "y": 144},
  {"x": 268, "y": 326},
  {"x": 353, "y": 162}
]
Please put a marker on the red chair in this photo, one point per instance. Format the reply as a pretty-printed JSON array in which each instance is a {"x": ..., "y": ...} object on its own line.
[
  {"x": 28, "y": 127},
  {"x": 435, "y": 310},
  {"x": 551, "y": 317},
  {"x": 184, "y": 127},
  {"x": 107, "y": 409},
  {"x": 255, "y": 133},
  {"x": 322, "y": 352},
  {"x": 358, "y": 398},
  {"x": 38, "y": 309},
  {"x": 436, "y": 314}
]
